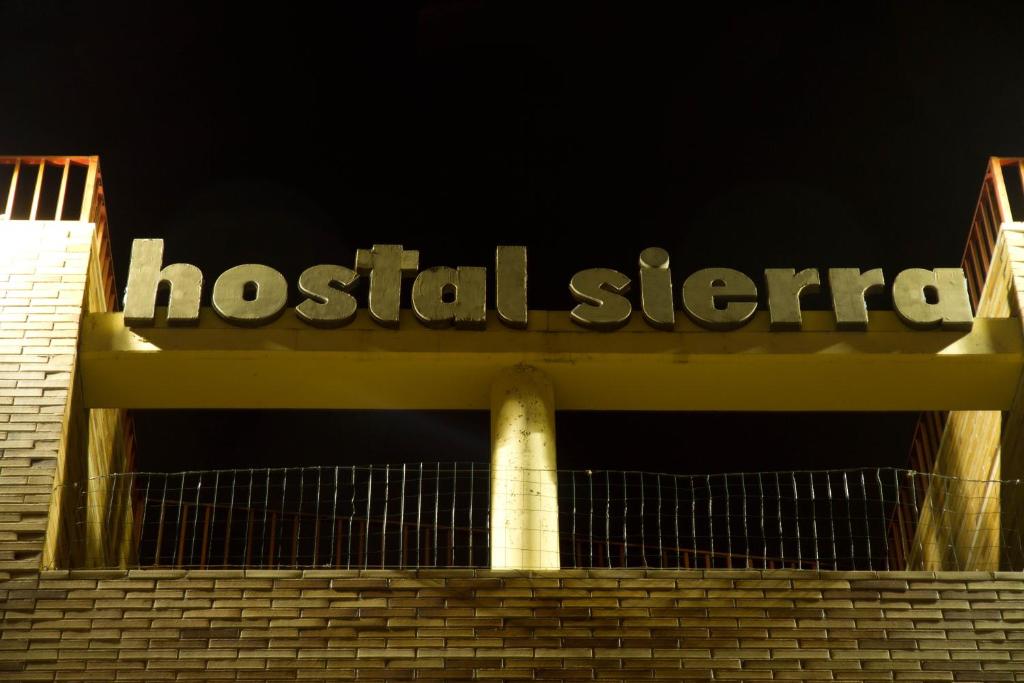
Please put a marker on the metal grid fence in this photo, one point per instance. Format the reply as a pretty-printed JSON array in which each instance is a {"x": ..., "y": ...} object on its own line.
[
  {"x": 873, "y": 519},
  {"x": 438, "y": 515},
  {"x": 406, "y": 515}
]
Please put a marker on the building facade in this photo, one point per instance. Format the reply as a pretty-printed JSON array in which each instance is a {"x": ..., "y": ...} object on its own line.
[{"x": 519, "y": 570}]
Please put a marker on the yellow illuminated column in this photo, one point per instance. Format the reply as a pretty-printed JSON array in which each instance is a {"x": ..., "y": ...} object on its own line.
[{"x": 524, "y": 482}]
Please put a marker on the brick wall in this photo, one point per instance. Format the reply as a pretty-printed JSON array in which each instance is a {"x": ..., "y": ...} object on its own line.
[
  {"x": 478, "y": 624},
  {"x": 1011, "y": 453},
  {"x": 42, "y": 284},
  {"x": 964, "y": 522}
]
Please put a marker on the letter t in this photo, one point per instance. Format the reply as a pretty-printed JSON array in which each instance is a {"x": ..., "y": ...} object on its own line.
[{"x": 386, "y": 264}]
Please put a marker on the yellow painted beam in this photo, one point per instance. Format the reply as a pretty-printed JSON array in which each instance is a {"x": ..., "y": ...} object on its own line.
[{"x": 288, "y": 364}]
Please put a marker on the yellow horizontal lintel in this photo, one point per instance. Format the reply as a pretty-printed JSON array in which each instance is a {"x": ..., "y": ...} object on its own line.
[{"x": 288, "y": 364}]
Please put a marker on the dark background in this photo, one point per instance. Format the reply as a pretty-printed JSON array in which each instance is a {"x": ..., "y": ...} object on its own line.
[{"x": 794, "y": 135}]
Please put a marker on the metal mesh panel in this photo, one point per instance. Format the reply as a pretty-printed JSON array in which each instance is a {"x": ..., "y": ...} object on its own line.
[
  {"x": 406, "y": 515},
  {"x": 438, "y": 515},
  {"x": 874, "y": 519}
]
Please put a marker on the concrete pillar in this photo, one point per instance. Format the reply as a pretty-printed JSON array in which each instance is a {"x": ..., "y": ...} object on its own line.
[{"x": 524, "y": 481}]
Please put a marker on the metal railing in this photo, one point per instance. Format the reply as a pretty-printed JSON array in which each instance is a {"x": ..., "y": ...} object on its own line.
[
  {"x": 50, "y": 188},
  {"x": 994, "y": 208},
  {"x": 60, "y": 188},
  {"x": 437, "y": 515},
  {"x": 423, "y": 515},
  {"x": 829, "y": 519}
]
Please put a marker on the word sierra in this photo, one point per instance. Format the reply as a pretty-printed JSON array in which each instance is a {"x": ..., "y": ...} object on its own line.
[{"x": 715, "y": 298}]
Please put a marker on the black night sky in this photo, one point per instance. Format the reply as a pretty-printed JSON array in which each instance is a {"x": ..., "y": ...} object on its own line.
[{"x": 785, "y": 136}]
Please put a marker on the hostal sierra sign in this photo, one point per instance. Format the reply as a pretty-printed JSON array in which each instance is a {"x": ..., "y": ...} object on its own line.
[{"x": 715, "y": 298}]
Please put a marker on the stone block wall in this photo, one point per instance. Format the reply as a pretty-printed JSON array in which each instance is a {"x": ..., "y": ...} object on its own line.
[{"x": 454, "y": 625}]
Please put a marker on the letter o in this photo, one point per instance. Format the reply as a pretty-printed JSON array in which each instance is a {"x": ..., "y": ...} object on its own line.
[{"x": 269, "y": 292}]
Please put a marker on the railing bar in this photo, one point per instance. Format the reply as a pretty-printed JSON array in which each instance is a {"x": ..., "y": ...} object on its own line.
[
  {"x": 35, "y": 193},
  {"x": 711, "y": 514},
  {"x": 206, "y": 536},
  {"x": 316, "y": 524},
  {"x": 590, "y": 519},
  {"x": 661, "y": 556},
  {"x": 90, "y": 189},
  {"x": 814, "y": 519},
  {"x": 952, "y": 541},
  {"x": 796, "y": 519},
  {"x": 437, "y": 506},
  {"x": 266, "y": 509},
  {"x": 1020, "y": 172},
  {"x": 405, "y": 544},
  {"x": 608, "y": 517},
  {"x": 906, "y": 539},
  {"x": 419, "y": 511},
  {"x": 746, "y": 528},
  {"x": 250, "y": 522},
  {"x": 764, "y": 534},
  {"x": 693, "y": 516},
  {"x": 335, "y": 532},
  {"x": 384, "y": 521},
  {"x": 575, "y": 560},
  {"x": 180, "y": 526},
  {"x": 867, "y": 526},
  {"x": 366, "y": 536},
  {"x": 984, "y": 215},
  {"x": 625, "y": 516},
  {"x": 992, "y": 226},
  {"x": 470, "y": 521},
  {"x": 451, "y": 546},
  {"x": 284, "y": 500},
  {"x": 316, "y": 534},
  {"x": 231, "y": 514},
  {"x": 208, "y": 550},
  {"x": 980, "y": 260},
  {"x": 989, "y": 227},
  {"x": 1000, "y": 190},
  {"x": 849, "y": 518},
  {"x": 9, "y": 208},
  {"x": 142, "y": 522},
  {"x": 298, "y": 526},
  {"x": 137, "y": 522},
  {"x": 160, "y": 524},
  {"x": 455, "y": 481},
  {"x": 675, "y": 489},
  {"x": 643, "y": 537},
  {"x": 295, "y": 540},
  {"x": 273, "y": 538},
  {"x": 778, "y": 505},
  {"x": 106, "y": 536},
  {"x": 401, "y": 523},
  {"x": 881, "y": 504},
  {"x": 832, "y": 520},
  {"x": 59, "y": 215},
  {"x": 334, "y": 521},
  {"x": 728, "y": 518},
  {"x": 351, "y": 519},
  {"x": 975, "y": 274},
  {"x": 917, "y": 516},
  {"x": 180, "y": 556},
  {"x": 487, "y": 517}
]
